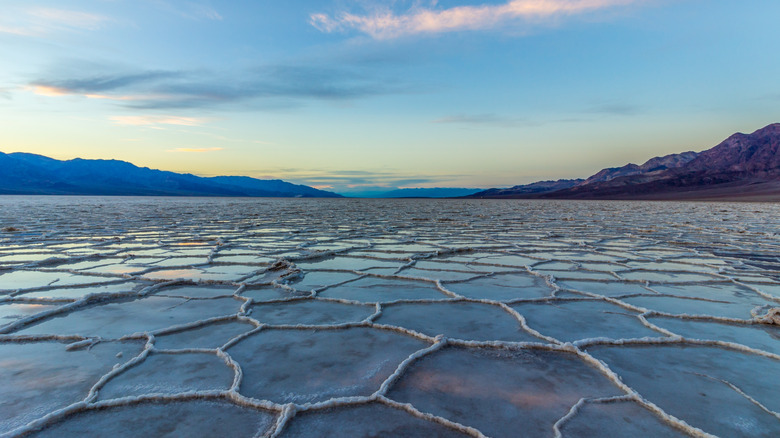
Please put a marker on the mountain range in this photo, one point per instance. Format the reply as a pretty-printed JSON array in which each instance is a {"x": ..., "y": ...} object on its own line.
[
  {"x": 742, "y": 167},
  {"x": 417, "y": 192},
  {"x": 31, "y": 174}
]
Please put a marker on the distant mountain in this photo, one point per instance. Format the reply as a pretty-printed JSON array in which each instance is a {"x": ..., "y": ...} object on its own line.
[
  {"x": 30, "y": 174},
  {"x": 530, "y": 189},
  {"x": 652, "y": 165},
  {"x": 744, "y": 166},
  {"x": 438, "y": 192}
]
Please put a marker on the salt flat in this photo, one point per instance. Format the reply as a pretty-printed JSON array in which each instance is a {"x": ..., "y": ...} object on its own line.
[{"x": 345, "y": 317}]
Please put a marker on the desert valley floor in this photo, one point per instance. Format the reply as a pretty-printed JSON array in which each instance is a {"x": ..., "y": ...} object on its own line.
[{"x": 356, "y": 318}]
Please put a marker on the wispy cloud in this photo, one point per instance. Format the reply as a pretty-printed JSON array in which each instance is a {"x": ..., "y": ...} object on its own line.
[
  {"x": 595, "y": 109},
  {"x": 345, "y": 181},
  {"x": 189, "y": 9},
  {"x": 52, "y": 91},
  {"x": 154, "y": 120},
  {"x": 614, "y": 109},
  {"x": 17, "y": 30},
  {"x": 196, "y": 150},
  {"x": 109, "y": 82},
  {"x": 276, "y": 85},
  {"x": 384, "y": 23},
  {"x": 69, "y": 18},
  {"x": 38, "y": 21},
  {"x": 484, "y": 120}
]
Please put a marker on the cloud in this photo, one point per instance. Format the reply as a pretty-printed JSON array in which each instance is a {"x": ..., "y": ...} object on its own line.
[
  {"x": 52, "y": 91},
  {"x": 69, "y": 18},
  {"x": 158, "y": 120},
  {"x": 189, "y": 10},
  {"x": 615, "y": 109},
  {"x": 105, "y": 82},
  {"x": 16, "y": 30},
  {"x": 41, "y": 20},
  {"x": 276, "y": 85},
  {"x": 485, "y": 120},
  {"x": 346, "y": 180},
  {"x": 495, "y": 120},
  {"x": 195, "y": 150},
  {"x": 385, "y": 24}
]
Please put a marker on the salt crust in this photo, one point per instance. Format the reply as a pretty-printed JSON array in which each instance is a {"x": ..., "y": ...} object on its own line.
[{"x": 653, "y": 244}]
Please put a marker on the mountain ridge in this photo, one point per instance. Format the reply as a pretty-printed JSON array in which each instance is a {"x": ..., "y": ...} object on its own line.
[
  {"x": 32, "y": 174},
  {"x": 530, "y": 189},
  {"x": 743, "y": 166},
  {"x": 652, "y": 165}
]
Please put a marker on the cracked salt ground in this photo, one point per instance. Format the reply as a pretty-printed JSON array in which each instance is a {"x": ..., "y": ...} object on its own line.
[
  {"x": 503, "y": 287},
  {"x": 607, "y": 289},
  {"x": 319, "y": 280},
  {"x": 592, "y": 318},
  {"x": 607, "y": 418},
  {"x": 20, "y": 279},
  {"x": 311, "y": 312},
  {"x": 16, "y": 311},
  {"x": 202, "y": 336},
  {"x": 371, "y": 289},
  {"x": 203, "y": 317},
  {"x": 501, "y": 393},
  {"x": 194, "y": 372},
  {"x": 76, "y": 293},
  {"x": 159, "y": 418},
  {"x": 697, "y": 381},
  {"x": 366, "y": 420},
  {"x": 124, "y": 317},
  {"x": 460, "y": 320},
  {"x": 301, "y": 366},
  {"x": 42, "y": 376}
]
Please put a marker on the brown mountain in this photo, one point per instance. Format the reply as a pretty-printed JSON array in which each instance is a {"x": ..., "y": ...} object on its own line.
[
  {"x": 533, "y": 188},
  {"x": 756, "y": 154},
  {"x": 743, "y": 167},
  {"x": 652, "y": 165}
]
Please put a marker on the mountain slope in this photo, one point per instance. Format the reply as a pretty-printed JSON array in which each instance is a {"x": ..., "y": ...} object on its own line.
[
  {"x": 652, "y": 165},
  {"x": 744, "y": 166},
  {"x": 22, "y": 173},
  {"x": 755, "y": 154},
  {"x": 529, "y": 189},
  {"x": 270, "y": 185}
]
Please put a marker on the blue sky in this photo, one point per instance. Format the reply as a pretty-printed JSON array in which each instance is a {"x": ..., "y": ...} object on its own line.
[{"x": 352, "y": 94}]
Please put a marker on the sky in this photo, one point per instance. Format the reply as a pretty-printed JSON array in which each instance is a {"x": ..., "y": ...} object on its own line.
[{"x": 351, "y": 95}]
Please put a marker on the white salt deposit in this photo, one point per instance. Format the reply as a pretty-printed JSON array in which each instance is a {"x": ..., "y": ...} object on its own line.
[{"x": 256, "y": 317}]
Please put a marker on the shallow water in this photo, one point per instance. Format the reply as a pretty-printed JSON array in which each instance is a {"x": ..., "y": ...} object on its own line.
[{"x": 289, "y": 317}]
